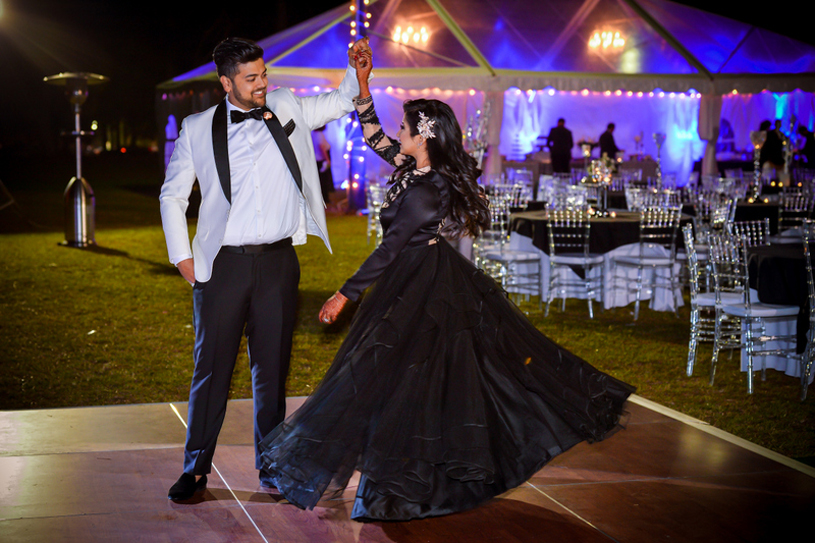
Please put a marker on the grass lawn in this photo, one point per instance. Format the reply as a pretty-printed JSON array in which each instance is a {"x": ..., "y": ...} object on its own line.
[{"x": 112, "y": 324}]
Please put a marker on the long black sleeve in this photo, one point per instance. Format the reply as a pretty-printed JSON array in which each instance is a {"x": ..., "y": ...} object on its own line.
[{"x": 375, "y": 137}]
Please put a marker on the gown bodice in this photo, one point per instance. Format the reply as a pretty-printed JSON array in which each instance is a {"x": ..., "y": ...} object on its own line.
[{"x": 412, "y": 214}]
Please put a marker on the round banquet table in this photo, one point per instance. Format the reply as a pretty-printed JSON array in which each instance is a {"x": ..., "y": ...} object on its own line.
[
  {"x": 611, "y": 237},
  {"x": 607, "y": 233},
  {"x": 778, "y": 273}
]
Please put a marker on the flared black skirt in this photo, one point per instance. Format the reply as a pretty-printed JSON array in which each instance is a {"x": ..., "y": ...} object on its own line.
[{"x": 443, "y": 395}]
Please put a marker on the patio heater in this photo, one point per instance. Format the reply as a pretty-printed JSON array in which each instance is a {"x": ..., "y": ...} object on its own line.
[{"x": 79, "y": 199}]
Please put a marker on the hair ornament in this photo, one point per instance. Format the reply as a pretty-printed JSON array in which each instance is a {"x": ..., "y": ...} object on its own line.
[{"x": 425, "y": 126}]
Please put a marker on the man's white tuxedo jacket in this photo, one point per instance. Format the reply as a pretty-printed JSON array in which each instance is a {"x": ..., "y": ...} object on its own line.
[{"x": 194, "y": 158}]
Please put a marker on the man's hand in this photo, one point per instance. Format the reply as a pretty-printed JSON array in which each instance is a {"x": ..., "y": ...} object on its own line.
[
  {"x": 332, "y": 308},
  {"x": 187, "y": 270},
  {"x": 359, "y": 46}
]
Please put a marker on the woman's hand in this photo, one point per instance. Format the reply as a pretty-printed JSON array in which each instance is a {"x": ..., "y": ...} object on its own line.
[
  {"x": 332, "y": 308},
  {"x": 361, "y": 59},
  {"x": 364, "y": 64}
]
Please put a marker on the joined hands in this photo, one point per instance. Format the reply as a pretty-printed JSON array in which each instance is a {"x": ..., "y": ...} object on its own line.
[{"x": 359, "y": 54}]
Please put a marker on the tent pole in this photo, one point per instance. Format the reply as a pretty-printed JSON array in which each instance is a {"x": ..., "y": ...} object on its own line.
[
  {"x": 461, "y": 36},
  {"x": 710, "y": 113},
  {"x": 494, "y": 163}
]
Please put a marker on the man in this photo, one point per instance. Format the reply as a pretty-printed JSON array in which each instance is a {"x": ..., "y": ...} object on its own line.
[
  {"x": 607, "y": 145},
  {"x": 771, "y": 156},
  {"x": 560, "y": 144},
  {"x": 322, "y": 152},
  {"x": 260, "y": 194},
  {"x": 808, "y": 148}
]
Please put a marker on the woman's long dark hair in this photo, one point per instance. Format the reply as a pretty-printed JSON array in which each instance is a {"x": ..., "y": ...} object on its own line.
[{"x": 469, "y": 207}]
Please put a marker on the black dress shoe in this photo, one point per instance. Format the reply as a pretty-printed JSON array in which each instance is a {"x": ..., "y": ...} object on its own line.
[{"x": 186, "y": 487}]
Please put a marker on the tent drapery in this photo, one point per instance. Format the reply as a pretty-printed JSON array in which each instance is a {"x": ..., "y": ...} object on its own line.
[
  {"x": 636, "y": 117},
  {"x": 710, "y": 113}
]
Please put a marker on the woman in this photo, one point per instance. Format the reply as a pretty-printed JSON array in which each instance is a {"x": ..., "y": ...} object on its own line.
[
  {"x": 322, "y": 154},
  {"x": 443, "y": 395}
]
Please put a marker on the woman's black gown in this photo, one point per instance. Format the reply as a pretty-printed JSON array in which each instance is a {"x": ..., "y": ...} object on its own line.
[{"x": 443, "y": 394}]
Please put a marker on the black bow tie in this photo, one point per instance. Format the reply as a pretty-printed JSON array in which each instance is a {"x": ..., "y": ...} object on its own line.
[{"x": 240, "y": 116}]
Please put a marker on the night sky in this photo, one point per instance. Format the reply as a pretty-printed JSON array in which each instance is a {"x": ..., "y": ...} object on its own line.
[
  {"x": 140, "y": 44},
  {"x": 136, "y": 44}
]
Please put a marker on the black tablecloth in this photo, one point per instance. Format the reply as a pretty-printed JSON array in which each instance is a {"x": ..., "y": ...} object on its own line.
[
  {"x": 757, "y": 211},
  {"x": 606, "y": 233},
  {"x": 746, "y": 211},
  {"x": 778, "y": 273}
]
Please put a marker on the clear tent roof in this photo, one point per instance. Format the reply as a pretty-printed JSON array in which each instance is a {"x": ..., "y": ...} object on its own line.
[{"x": 497, "y": 44}]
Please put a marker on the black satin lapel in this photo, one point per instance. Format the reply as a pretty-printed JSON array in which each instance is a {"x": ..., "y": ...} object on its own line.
[
  {"x": 285, "y": 147},
  {"x": 220, "y": 149}
]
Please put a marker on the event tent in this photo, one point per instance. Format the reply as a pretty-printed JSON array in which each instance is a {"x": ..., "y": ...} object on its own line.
[{"x": 536, "y": 60}]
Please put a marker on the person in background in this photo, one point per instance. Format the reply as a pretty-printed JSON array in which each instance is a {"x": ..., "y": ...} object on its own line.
[
  {"x": 560, "y": 145},
  {"x": 607, "y": 145},
  {"x": 773, "y": 149},
  {"x": 808, "y": 149},
  {"x": 322, "y": 153}
]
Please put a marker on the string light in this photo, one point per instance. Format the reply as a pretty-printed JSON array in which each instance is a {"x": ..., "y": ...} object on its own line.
[
  {"x": 607, "y": 39},
  {"x": 359, "y": 19},
  {"x": 411, "y": 34}
]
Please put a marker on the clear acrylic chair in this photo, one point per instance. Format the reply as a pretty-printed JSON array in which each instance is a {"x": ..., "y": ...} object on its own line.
[
  {"x": 375, "y": 196},
  {"x": 523, "y": 177},
  {"x": 728, "y": 257},
  {"x": 703, "y": 303},
  {"x": 709, "y": 183},
  {"x": 569, "y": 231},
  {"x": 568, "y": 197},
  {"x": 634, "y": 197},
  {"x": 497, "y": 234},
  {"x": 546, "y": 187},
  {"x": 806, "y": 359},
  {"x": 656, "y": 252},
  {"x": 518, "y": 272},
  {"x": 794, "y": 208},
  {"x": 755, "y": 233},
  {"x": 663, "y": 197}
]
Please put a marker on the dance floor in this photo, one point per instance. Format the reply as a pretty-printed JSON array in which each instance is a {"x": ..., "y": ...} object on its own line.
[{"x": 102, "y": 474}]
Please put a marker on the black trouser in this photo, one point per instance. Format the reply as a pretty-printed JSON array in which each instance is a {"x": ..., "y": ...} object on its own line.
[
  {"x": 561, "y": 161},
  {"x": 255, "y": 291}
]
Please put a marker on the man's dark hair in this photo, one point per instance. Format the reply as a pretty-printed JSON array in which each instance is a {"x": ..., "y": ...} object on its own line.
[
  {"x": 610, "y": 126},
  {"x": 561, "y": 121},
  {"x": 234, "y": 51}
]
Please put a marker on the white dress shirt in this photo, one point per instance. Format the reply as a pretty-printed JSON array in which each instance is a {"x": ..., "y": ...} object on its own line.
[{"x": 265, "y": 198}]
